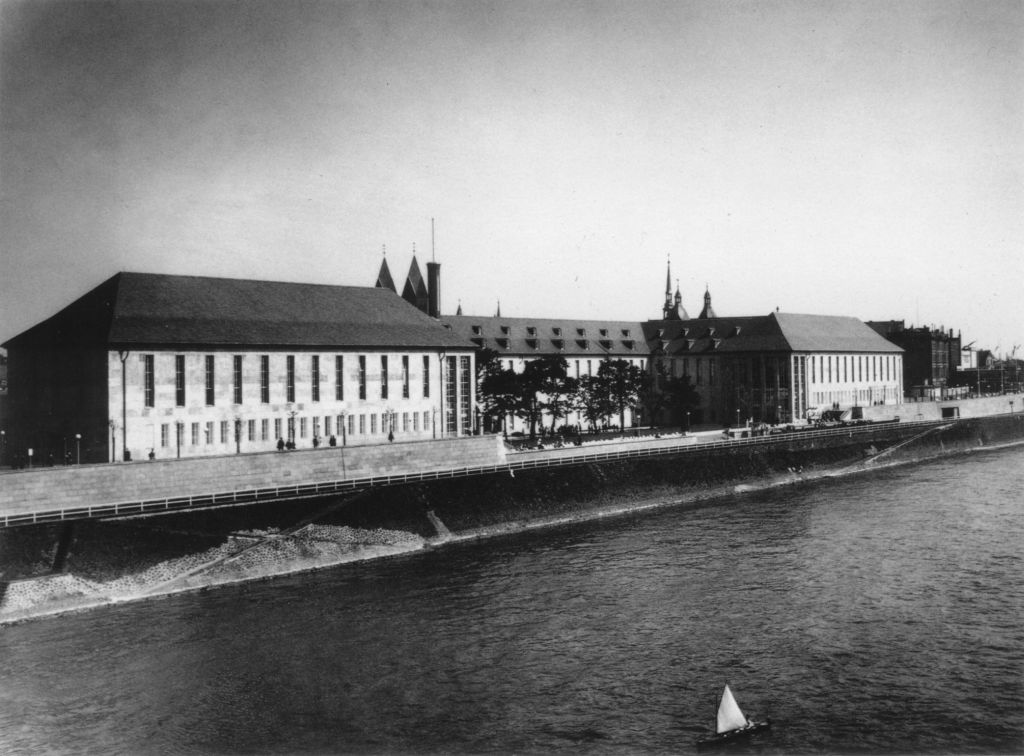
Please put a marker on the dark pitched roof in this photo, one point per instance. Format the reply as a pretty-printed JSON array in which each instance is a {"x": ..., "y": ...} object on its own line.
[
  {"x": 539, "y": 336},
  {"x": 150, "y": 309},
  {"x": 777, "y": 332}
]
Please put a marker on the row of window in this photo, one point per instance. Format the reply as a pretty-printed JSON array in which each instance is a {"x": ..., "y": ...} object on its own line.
[
  {"x": 292, "y": 428},
  {"x": 852, "y": 369},
  {"x": 238, "y": 373}
]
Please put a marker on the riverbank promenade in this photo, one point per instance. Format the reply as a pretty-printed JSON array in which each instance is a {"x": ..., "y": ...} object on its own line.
[{"x": 75, "y": 492}]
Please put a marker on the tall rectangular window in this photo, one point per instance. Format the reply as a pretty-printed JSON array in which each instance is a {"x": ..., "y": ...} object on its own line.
[
  {"x": 373, "y": 423},
  {"x": 264, "y": 429},
  {"x": 290, "y": 380},
  {"x": 302, "y": 427},
  {"x": 277, "y": 427},
  {"x": 352, "y": 424},
  {"x": 265, "y": 378},
  {"x": 426, "y": 377},
  {"x": 252, "y": 430},
  {"x": 179, "y": 380},
  {"x": 164, "y": 435},
  {"x": 147, "y": 380},
  {"x": 339, "y": 377},
  {"x": 405, "y": 376},
  {"x": 315, "y": 378},
  {"x": 362, "y": 378},
  {"x": 327, "y": 425},
  {"x": 209, "y": 381},
  {"x": 209, "y": 433},
  {"x": 237, "y": 379},
  {"x": 383, "y": 376},
  {"x": 224, "y": 431},
  {"x": 362, "y": 424},
  {"x": 195, "y": 434}
]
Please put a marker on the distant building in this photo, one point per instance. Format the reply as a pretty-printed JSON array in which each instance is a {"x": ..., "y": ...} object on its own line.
[
  {"x": 190, "y": 366},
  {"x": 931, "y": 356}
]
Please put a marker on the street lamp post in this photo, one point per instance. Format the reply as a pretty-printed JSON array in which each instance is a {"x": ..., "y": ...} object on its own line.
[
  {"x": 78, "y": 448},
  {"x": 737, "y": 417},
  {"x": 687, "y": 421},
  {"x": 124, "y": 406},
  {"x": 3, "y": 446}
]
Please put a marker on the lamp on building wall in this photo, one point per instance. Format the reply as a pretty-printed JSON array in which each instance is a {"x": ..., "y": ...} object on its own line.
[{"x": 78, "y": 448}]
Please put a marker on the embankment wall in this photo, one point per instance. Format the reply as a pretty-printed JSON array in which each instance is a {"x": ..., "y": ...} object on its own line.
[{"x": 87, "y": 485}]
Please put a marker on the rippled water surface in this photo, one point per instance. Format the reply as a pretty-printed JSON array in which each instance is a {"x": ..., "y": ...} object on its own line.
[{"x": 877, "y": 613}]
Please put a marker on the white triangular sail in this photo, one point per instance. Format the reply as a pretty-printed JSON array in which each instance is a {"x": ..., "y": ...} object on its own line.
[{"x": 729, "y": 715}]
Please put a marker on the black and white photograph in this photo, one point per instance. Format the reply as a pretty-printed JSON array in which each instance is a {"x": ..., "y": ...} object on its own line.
[{"x": 511, "y": 377}]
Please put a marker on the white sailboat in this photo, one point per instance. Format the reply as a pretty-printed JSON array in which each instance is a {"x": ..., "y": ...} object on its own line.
[{"x": 731, "y": 722}]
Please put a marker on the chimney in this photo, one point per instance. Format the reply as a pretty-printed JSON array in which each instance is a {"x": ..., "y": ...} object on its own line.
[{"x": 434, "y": 289}]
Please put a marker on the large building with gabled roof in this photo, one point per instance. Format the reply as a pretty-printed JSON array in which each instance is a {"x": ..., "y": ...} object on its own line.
[
  {"x": 781, "y": 367},
  {"x": 189, "y": 366}
]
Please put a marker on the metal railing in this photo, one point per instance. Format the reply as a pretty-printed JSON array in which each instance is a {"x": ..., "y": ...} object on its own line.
[{"x": 517, "y": 461}]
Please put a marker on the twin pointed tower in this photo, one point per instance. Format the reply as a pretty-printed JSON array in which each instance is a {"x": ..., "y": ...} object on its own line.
[
  {"x": 424, "y": 296},
  {"x": 673, "y": 308}
]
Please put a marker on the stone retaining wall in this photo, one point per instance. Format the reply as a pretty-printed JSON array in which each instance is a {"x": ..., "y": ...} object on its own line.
[{"x": 54, "y": 488}]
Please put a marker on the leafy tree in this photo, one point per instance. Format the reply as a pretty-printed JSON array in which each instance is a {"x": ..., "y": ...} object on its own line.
[
  {"x": 592, "y": 399},
  {"x": 622, "y": 382},
  {"x": 681, "y": 396},
  {"x": 651, "y": 395},
  {"x": 497, "y": 388}
]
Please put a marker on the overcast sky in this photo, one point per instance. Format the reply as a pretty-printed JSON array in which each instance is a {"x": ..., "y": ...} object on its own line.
[{"x": 848, "y": 158}]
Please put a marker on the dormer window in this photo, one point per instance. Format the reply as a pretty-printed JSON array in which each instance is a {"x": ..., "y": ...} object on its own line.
[
  {"x": 711, "y": 332},
  {"x": 532, "y": 343},
  {"x": 477, "y": 330},
  {"x": 736, "y": 331},
  {"x": 685, "y": 332},
  {"x": 478, "y": 340},
  {"x": 559, "y": 344},
  {"x": 606, "y": 344},
  {"x": 557, "y": 331},
  {"x": 661, "y": 332},
  {"x": 603, "y": 331},
  {"x": 625, "y": 332},
  {"x": 715, "y": 343},
  {"x": 628, "y": 343},
  {"x": 581, "y": 331},
  {"x": 505, "y": 330},
  {"x": 503, "y": 343},
  {"x": 584, "y": 344}
]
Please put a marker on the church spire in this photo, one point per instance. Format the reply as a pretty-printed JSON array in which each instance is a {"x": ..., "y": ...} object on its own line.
[
  {"x": 673, "y": 308},
  {"x": 707, "y": 312},
  {"x": 384, "y": 279}
]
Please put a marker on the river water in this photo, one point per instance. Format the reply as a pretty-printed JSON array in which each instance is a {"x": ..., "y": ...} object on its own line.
[{"x": 879, "y": 613}]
